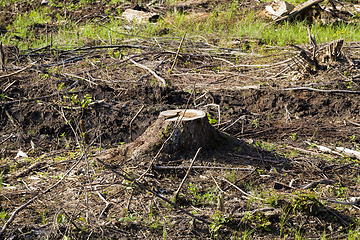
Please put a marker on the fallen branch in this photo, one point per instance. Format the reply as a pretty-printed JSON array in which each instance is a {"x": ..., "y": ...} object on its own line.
[
  {"x": 316, "y": 183},
  {"x": 242, "y": 214},
  {"x": 254, "y": 158},
  {"x": 319, "y": 90},
  {"x": 19, "y": 71},
  {"x": 106, "y": 202},
  {"x": 242, "y": 178},
  {"x": 163, "y": 82},
  {"x": 28, "y": 170},
  {"x": 199, "y": 167},
  {"x": 176, "y": 194},
  {"x": 78, "y": 77},
  {"x": 177, "y": 52},
  {"x": 240, "y": 190}
]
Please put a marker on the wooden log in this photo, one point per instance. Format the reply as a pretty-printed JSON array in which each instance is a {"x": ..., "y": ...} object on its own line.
[
  {"x": 140, "y": 16},
  {"x": 299, "y": 10}
]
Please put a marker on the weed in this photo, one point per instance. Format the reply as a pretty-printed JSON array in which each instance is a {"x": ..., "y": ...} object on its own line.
[
  {"x": 43, "y": 216},
  {"x": 238, "y": 149},
  {"x": 259, "y": 220},
  {"x": 2, "y": 96},
  {"x": 353, "y": 234},
  {"x": 86, "y": 101},
  {"x": 232, "y": 176},
  {"x": 211, "y": 120},
  {"x": 128, "y": 218},
  {"x": 255, "y": 123},
  {"x": 283, "y": 219},
  {"x": 3, "y": 215},
  {"x": 305, "y": 202},
  {"x": 218, "y": 221},
  {"x": 293, "y": 136},
  {"x": 208, "y": 198},
  {"x": 164, "y": 230}
]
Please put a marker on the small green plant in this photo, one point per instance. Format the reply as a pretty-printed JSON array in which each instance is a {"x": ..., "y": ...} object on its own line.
[
  {"x": 353, "y": 234},
  {"x": 218, "y": 221},
  {"x": 255, "y": 123},
  {"x": 43, "y": 216},
  {"x": 211, "y": 120},
  {"x": 128, "y": 218},
  {"x": 86, "y": 101},
  {"x": 238, "y": 149},
  {"x": 61, "y": 218},
  {"x": 293, "y": 136},
  {"x": 154, "y": 225},
  {"x": 341, "y": 191},
  {"x": 283, "y": 219},
  {"x": 2, "y": 96},
  {"x": 352, "y": 137},
  {"x": 305, "y": 202},
  {"x": 232, "y": 176},
  {"x": 208, "y": 198},
  {"x": 3, "y": 215}
]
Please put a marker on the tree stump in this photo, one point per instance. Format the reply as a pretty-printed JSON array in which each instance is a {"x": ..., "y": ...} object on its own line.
[{"x": 191, "y": 130}]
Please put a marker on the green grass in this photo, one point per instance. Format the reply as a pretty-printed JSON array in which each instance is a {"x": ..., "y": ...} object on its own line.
[{"x": 222, "y": 25}]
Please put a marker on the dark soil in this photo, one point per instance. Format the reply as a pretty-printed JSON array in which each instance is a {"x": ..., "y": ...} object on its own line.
[{"x": 50, "y": 107}]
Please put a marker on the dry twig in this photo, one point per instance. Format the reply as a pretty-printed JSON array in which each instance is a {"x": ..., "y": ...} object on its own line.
[{"x": 187, "y": 173}]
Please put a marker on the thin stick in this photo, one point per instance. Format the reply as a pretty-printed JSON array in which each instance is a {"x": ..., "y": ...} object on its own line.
[
  {"x": 153, "y": 192},
  {"x": 78, "y": 77},
  {"x": 129, "y": 201},
  {"x": 19, "y": 71},
  {"x": 243, "y": 192},
  {"x": 265, "y": 65},
  {"x": 142, "y": 107},
  {"x": 199, "y": 167},
  {"x": 7, "y": 139},
  {"x": 254, "y": 158},
  {"x": 163, "y": 82},
  {"x": 242, "y": 117},
  {"x": 318, "y": 90},
  {"x": 177, "y": 52},
  {"x": 186, "y": 175},
  {"x": 242, "y": 178},
  {"x": 107, "y": 203}
]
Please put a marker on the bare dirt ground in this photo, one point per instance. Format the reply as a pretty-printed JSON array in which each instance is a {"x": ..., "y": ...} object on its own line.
[{"x": 286, "y": 188}]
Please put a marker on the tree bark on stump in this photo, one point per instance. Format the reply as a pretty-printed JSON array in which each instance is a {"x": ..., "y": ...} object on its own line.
[{"x": 193, "y": 131}]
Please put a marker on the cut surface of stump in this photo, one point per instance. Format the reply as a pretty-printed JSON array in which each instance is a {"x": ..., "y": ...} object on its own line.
[{"x": 189, "y": 130}]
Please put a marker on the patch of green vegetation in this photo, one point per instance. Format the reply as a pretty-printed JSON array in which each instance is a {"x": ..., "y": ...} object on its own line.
[
  {"x": 218, "y": 221},
  {"x": 205, "y": 199},
  {"x": 231, "y": 176},
  {"x": 257, "y": 220},
  {"x": 211, "y": 120},
  {"x": 3, "y": 215},
  {"x": 224, "y": 23},
  {"x": 129, "y": 218}
]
